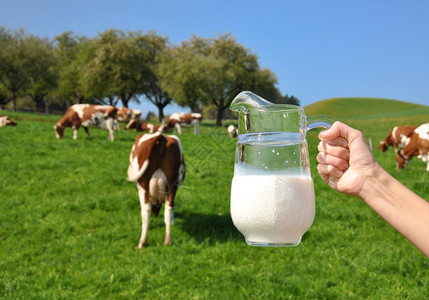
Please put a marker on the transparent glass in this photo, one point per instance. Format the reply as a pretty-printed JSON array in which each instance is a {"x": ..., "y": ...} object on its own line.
[{"x": 272, "y": 192}]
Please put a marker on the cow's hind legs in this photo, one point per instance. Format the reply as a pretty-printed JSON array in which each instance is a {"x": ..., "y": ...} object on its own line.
[
  {"x": 87, "y": 131},
  {"x": 196, "y": 127},
  {"x": 110, "y": 124},
  {"x": 169, "y": 213},
  {"x": 177, "y": 128},
  {"x": 75, "y": 129},
  {"x": 146, "y": 209},
  {"x": 168, "y": 220}
]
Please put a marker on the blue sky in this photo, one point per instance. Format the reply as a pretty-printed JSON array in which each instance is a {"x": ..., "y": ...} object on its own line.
[{"x": 317, "y": 49}]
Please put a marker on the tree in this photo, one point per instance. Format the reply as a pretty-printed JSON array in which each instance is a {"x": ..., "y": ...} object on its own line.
[
  {"x": 111, "y": 72},
  {"x": 213, "y": 71},
  {"x": 124, "y": 66},
  {"x": 241, "y": 71},
  {"x": 117, "y": 66},
  {"x": 151, "y": 49},
  {"x": 286, "y": 99},
  {"x": 264, "y": 85},
  {"x": 70, "y": 57},
  {"x": 4, "y": 99},
  {"x": 16, "y": 61},
  {"x": 42, "y": 72},
  {"x": 180, "y": 73}
]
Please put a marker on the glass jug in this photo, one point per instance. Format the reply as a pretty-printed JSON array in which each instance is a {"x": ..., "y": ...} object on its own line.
[{"x": 272, "y": 192}]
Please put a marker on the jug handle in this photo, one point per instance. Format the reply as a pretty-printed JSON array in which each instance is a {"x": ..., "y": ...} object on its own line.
[{"x": 320, "y": 121}]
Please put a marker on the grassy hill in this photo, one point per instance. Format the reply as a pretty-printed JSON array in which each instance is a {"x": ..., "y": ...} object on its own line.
[{"x": 366, "y": 108}]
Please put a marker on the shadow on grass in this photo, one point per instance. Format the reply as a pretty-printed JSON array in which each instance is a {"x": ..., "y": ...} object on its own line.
[
  {"x": 214, "y": 229},
  {"x": 209, "y": 228}
]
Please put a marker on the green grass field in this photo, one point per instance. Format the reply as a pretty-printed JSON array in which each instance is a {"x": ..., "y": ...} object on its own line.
[{"x": 70, "y": 222}]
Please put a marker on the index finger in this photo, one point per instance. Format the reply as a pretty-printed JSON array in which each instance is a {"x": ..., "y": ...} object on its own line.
[
  {"x": 339, "y": 130},
  {"x": 338, "y": 141}
]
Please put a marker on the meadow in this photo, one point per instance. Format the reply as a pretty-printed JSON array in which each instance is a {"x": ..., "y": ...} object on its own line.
[{"x": 70, "y": 222}]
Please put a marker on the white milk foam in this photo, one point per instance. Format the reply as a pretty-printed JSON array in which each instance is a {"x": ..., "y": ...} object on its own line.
[{"x": 273, "y": 209}]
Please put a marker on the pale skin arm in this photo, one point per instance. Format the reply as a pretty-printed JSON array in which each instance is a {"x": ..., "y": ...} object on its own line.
[{"x": 348, "y": 166}]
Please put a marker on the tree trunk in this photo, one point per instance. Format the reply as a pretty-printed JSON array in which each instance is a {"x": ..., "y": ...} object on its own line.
[
  {"x": 160, "y": 113},
  {"x": 195, "y": 108},
  {"x": 39, "y": 101},
  {"x": 79, "y": 98},
  {"x": 116, "y": 101},
  {"x": 14, "y": 101},
  {"x": 126, "y": 98},
  {"x": 219, "y": 115},
  {"x": 46, "y": 107},
  {"x": 124, "y": 102}
]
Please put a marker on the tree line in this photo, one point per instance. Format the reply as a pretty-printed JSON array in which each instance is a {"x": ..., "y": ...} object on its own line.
[{"x": 116, "y": 66}]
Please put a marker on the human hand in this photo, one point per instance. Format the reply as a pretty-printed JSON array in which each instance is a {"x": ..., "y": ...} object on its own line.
[{"x": 345, "y": 160}]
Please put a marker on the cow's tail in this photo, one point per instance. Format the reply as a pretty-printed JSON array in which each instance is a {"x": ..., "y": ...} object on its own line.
[{"x": 134, "y": 172}]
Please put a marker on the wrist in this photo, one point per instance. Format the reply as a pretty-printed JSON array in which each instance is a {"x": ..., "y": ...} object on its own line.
[{"x": 372, "y": 180}]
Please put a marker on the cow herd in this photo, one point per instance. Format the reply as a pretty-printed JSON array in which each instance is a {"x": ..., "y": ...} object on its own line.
[
  {"x": 408, "y": 141},
  {"x": 107, "y": 117}
]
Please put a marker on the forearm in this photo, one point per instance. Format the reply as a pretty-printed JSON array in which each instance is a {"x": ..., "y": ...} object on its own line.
[{"x": 404, "y": 210}]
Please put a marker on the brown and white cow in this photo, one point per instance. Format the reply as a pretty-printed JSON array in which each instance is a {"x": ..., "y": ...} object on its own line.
[
  {"x": 398, "y": 138},
  {"x": 86, "y": 115},
  {"x": 145, "y": 127},
  {"x": 177, "y": 120},
  {"x": 5, "y": 120},
  {"x": 157, "y": 165},
  {"x": 418, "y": 146}
]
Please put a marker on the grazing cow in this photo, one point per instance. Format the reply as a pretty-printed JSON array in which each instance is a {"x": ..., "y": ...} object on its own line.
[
  {"x": 232, "y": 131},
  {"x": 418, "y": 146},
  {"x": 145, "y": 127},
  {"x": 5, "y": 120},
  {"x": 398, "y": 138},
  {"x": 87, "y": 115},
  {"x": 177, "y": 120},
  {"x": 157, "y": 166}
]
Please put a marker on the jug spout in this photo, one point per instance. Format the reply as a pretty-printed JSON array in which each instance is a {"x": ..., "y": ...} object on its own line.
[{"x": 247, "y": 102}]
